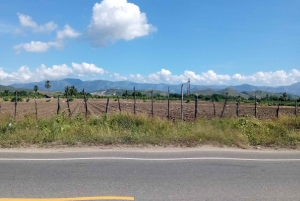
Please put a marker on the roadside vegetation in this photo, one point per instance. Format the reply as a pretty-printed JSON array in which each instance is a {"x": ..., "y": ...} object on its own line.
[{"x": 139, "y": 130}]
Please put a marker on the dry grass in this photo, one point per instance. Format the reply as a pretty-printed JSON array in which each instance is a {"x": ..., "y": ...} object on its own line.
[{"x": 128, "y": 129}]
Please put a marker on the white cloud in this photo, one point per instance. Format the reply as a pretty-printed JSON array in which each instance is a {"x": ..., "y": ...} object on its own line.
[
  {"x": 210, "y": 77},
  {"x": 114, "y": 20},
  {"x": 26, "y": 21},
  {"x": 91, "y": 71},
  {"x": 270, "y": 78},
  {"x": 38, "y": 46},
  {"x": 87, "y": 69},
  {"x": 67, "y": 32},
  {"x": 33, "y": 46},
  {"x": 166, "y": 76},
  {"x": 42, "y": 72}
]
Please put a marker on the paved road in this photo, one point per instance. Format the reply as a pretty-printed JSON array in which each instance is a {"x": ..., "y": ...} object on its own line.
[{"x": 152, "y": 175}]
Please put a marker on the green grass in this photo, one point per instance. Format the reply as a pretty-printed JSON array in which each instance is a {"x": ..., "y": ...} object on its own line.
[{"x": 128, "y": 129}]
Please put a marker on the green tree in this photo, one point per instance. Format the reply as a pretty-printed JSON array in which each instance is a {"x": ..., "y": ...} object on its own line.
[
  {"x": 35, "y": 88},
  {"x": 73, "y": 91},
  {"x": 48, "y": 85}
]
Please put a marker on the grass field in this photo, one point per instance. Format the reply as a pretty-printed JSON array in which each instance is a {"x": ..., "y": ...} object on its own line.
[{"x": 141, "y": 130}]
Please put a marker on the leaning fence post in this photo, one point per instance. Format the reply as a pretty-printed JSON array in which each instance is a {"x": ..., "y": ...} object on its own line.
[
  {"x": 107, "y": 105},
  {"x": 238, "y": 107},
  {"x": 16, "y": 102},
  {"x": 119, "y": 104},
  {"x": 168, "y": 102},
  {"x": 196, "y": 106},
  {"x": 134, "y": 103},
  {"x": 225, "y": 103},
  {"x": 85, "y": 104},
  {"x": 181, "y": 102},
  {"x": 152, "y": 108}
]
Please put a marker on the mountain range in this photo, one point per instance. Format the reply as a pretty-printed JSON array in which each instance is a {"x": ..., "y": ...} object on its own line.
[{"x": 100, "y": 85}]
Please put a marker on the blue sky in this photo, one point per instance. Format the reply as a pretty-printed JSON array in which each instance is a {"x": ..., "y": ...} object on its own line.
[{"x": 211, "y": 41}]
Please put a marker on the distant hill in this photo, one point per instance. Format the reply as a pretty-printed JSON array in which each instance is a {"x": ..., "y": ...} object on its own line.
[
  {"x": 2, "y": 88},
  {"x": 233, "y": 93},
  {"x": 103, "y": 85}
]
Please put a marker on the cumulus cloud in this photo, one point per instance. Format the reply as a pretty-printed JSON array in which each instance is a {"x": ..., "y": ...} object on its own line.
[
  {"x": 114, "y": 20},
  {"x": 210, "y": 77},
  {"x": 166, "y": 76},
  {"x": 91, "y": 71},
  {"x": 33, "y": 46},
  {"x": 26, "y": 21},
  {"x": 38, "y": 46},
  {"x": 87, "y": 69},
  {"x": 67, "y": 32},
  {"x": 55, "y": 72}
]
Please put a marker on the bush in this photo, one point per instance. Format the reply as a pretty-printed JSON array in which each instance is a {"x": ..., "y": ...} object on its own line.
[
  {"x": 5, "y": 99},
  {"x": 27, "y": 100},
  {"x": 19, "y": 99}
]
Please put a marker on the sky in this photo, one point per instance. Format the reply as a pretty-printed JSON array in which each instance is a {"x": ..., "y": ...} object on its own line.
[{"x": 212, "y": 42}]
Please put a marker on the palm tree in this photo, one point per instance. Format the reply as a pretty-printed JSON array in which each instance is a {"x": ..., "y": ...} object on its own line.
[
  {"x": 48, "y": 84},
  {"x": 73, "y": 91},
  {"x": 35, "y": 88}
]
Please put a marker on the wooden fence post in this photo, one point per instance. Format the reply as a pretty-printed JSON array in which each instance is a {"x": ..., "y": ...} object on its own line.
[
  {"x": 214, "y": 107},
  {"x": 181, "y": 102},
  {"x": 225, "y": 103},
  {"x": 36, "y": 111},
  {"x": 85, "y": 104},
  {"x": 238, "y": 107},
  {"x": 16, "y": 102},
  {"x": 296, "y": 108},
  {"x": 152, "y": 107},
  {"x": 107, "y": 106},
  {"x": 168, "y": 102},
  {"x": 277, "y": 111},
  {"x": 255, "y": 107},
  {"x": 134, "y": 103},
  {"x": 68, "y": 103},
  {"x": 58, "y": 105},
  {"x": 119, "y": 104},
  {"x": 196, "y": 106}
]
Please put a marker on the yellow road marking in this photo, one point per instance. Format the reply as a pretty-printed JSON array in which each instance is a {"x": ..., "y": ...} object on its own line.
[{"x": 69, "y": 199}]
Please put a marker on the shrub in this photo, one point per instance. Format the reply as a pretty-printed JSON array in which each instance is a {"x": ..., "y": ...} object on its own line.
[{"x": 19, "y": 99}]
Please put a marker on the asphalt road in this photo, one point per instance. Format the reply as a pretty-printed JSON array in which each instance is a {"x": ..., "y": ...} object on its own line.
[{"x": 152, "y": 175}]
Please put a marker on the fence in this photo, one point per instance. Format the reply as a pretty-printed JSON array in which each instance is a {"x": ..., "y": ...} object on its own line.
[{"x": 173, "y": 110}]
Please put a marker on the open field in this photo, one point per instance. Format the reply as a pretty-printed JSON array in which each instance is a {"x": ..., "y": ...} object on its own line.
[{"x": 98, "y": 107}]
